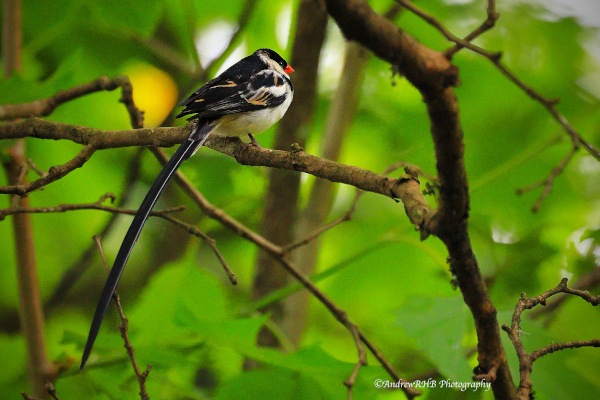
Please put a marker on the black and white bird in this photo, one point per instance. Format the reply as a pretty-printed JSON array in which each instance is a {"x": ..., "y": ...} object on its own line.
[{"x": 248, "y": 98}]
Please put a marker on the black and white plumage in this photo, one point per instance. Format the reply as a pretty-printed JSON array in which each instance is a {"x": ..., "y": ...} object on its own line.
[{"x": 248, "y": 98}]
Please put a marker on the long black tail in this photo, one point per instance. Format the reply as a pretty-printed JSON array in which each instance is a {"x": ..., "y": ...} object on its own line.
[{"x": 185, "y": 151}]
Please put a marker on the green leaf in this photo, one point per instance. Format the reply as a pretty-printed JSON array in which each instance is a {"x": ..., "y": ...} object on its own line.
[
  {"x": 439, "y": 325},
  {"x": 274, "y": 383},
  {"x": 179, "y": 289}
]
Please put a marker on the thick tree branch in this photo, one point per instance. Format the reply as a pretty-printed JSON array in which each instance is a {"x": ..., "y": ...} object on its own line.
[
  {"x": 433, "y": 75},
  {"x": 406, "y": 188}
]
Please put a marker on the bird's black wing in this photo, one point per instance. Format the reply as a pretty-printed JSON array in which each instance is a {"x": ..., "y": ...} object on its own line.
[{"x": 237, "y": 94}]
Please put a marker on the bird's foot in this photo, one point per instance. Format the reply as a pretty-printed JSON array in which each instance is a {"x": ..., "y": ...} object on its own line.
[{"x": 253, "y": 141}]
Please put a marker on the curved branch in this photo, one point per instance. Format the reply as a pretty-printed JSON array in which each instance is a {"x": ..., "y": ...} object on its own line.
[
  {"x": 55, "y": 173},
  {"x": 45, "y": 107}
]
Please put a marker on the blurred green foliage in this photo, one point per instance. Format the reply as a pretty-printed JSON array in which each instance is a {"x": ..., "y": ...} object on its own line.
[{"x": 195, "y": 329}]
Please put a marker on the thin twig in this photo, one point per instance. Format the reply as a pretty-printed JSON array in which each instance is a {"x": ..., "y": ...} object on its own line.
[
  {"x": 361, "y": 360},
  {"x": 55, "y": 173},
  {"x": 141, "y": 376},
  {"x": 584, "y": 282},
  {"x": 324, "y": 228},
  {"x": 489, "y": 23},
  {"x": 431, "y": 20},
  {"x": 84, "y": 206},
  {"x": 547, "y": 103},
  {"x": 553, "y": 347},
  {"x": 526, "y": 360},
  {"x": 164, "y": 214},
  {"x": 52, "y": 391},
  {"x": 548, "y": 183}
]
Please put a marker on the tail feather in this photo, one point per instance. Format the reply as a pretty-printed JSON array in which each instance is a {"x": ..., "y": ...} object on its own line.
[{"x": 185, "y": 150}]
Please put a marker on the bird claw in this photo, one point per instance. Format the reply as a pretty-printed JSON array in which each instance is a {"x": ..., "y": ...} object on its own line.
[{"x": 253, "y": 141}]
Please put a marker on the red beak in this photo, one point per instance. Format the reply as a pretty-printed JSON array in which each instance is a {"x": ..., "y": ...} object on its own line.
[{"x": 289, "y": 69}]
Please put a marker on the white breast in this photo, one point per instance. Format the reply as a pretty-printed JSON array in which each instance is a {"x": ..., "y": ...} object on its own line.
[{"x": 254, "y": 121}]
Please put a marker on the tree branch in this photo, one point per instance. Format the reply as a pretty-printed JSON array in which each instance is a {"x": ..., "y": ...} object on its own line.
[
  {"x": 406, "y": 188},
  {"x": 123, "y": 330},
  {"x": 548, "y": 104},
  {"x": 526, "y": 360},
  {"x": 55, "y": 173},
  {"x": 45, "y": 107},
  {"x": 164, "y": 214},
  {"x": 433, "y": 75},
  {"x": 31, "y": 313}
]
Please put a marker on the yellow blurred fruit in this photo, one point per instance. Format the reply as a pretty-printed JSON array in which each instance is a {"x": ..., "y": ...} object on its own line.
[{"x": 154, "y": 92}]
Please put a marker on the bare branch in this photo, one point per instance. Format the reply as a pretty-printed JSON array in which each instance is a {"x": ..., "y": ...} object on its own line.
[
  {"x": 549, "y": 181},
  {"x": 141, "y": 376},
  {"x": 584, "y": 282},
  {"x": 551, "y": 348},
  {"x": 45, "y": 107},
  {"x": 55, "y": 173},
  {"x": 489, "y": 23},
  {"x": 431, "y": 20},
  {"x": 526, "y": 360},
  {"x": 548, "y": 104}
]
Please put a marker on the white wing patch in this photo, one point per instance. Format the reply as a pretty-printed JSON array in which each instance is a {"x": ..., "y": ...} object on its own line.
[{"x": 260, "y": 96}]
